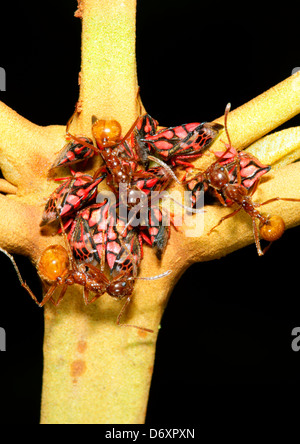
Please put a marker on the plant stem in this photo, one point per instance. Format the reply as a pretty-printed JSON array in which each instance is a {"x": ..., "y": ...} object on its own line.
[
  {"x": 94, "y": 370},
  {"x": 108, "y": 86}
]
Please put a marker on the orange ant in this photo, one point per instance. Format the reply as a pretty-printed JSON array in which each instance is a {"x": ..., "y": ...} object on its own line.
[
  {"x": 58, "y": 268},
  {"x": 216, "y": 176}
]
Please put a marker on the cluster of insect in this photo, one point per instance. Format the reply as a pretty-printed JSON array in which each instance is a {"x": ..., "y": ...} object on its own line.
[{"x": 103, "y": 247}]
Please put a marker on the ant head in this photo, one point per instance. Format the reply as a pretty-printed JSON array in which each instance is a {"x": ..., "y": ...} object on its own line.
[
  {"x": 53, "y": 262},
  {"x": 107, "y": 133},
  {"x": 121, "y": 288},
  {"x": 272, "y": 229},
  {"x": 217, "y": 176}
]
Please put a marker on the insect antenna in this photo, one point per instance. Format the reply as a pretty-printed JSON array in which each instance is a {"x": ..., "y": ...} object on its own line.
[
  {"x": 166, "y": 273},
  {"x": 229, "y": 146},
  {"x": 152, "y": 278},
  {"x": 166, "y": 167},
  {"x": 77, "y": 139},
  {"x": 123, "y": 243},
  {"x": 130, "y": 325},
  {"x": 227, "y": 110}
]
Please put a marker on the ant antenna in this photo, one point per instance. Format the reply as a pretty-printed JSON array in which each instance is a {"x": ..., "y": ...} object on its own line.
[
  {"x": 228, "y": 148},
  {"x": 227, "y": 109},
  {"x": 166, "y": 167},
  {"x": 153, "y": 278},
  {"x": 129, "y": 299},
  {"x": 130, "y": 325}
]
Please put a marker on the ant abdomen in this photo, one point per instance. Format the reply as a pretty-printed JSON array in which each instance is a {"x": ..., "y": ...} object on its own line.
[
  {"x": 107, "y": 133},
  {"x": 272, "y": 229},
  {"x": 53, "y": 262}
]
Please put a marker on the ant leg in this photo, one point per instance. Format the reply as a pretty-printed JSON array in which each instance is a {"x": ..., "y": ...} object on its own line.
[
  {"x": 256, "y": 238},
  {"x": 98, "y": 171},
  {"x": 199, "y": 176},
  {"x": 96, "y": 274},
  {"x": 184, "y": 163},
  {"x": 88, "y": 301},
  {"x": 254, "y": 187},
  {"x": 62, "y": 293},
  {"x": 288, "y": 199},
  {"x": 82, "y": 142},
  {"x": 166, "y": 273},
  {"x": 23, "y": 284},
  {"x": 86, "y": 295},
  {"x": 130, "y": 325},
  {"x": 128, "y": 132},
  {"x": 220, "y": 198},
  {"x": 49, "y": 294},
  {"x": 224, "y": 218}
]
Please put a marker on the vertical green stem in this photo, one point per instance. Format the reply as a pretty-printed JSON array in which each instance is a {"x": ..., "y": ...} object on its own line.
[
  {"x": 95, "y": 371},
  {"x": 108, "y": 86}
]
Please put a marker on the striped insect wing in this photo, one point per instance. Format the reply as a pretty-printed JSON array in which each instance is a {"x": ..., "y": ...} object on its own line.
[
  {"x": 55, "y": 202},
  {"x": 74, "y": 152},
  {"x": 196, "y": 187},
  {"x": 96, "y": 235},
  {"x": 226, "y": 156},
  {"x": 157, "y": 232},
  {"x": 70, "y": 197},
  {"x": 199, "y": 138},
  {"x": 125, "y": 266},
  {"x": 81, "y": 241},
  {"x": 251, "y": 169},
  {"x": 104, "y": 219},
  {"x": 88, "y": 234},
  {"x": 128, "y": 155},
  {"x": 184, "y": 141},
  {"x": 151, "y": 180},
  {"x": 115, "y": 239},
  {"x": 145, "y": 126},
  {"x": 82, "y": 193},
  {"x": 129, "y": 255}
]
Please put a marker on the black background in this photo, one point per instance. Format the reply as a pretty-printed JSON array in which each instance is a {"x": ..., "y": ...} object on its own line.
[{"x": 224, "y": 349}]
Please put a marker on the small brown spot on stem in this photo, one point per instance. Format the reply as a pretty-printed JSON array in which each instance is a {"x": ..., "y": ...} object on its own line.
[
  {"x": 142, "y": 333},
  {"x": 81, "y": 346},
  {"x": 78, "y": 367}
]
